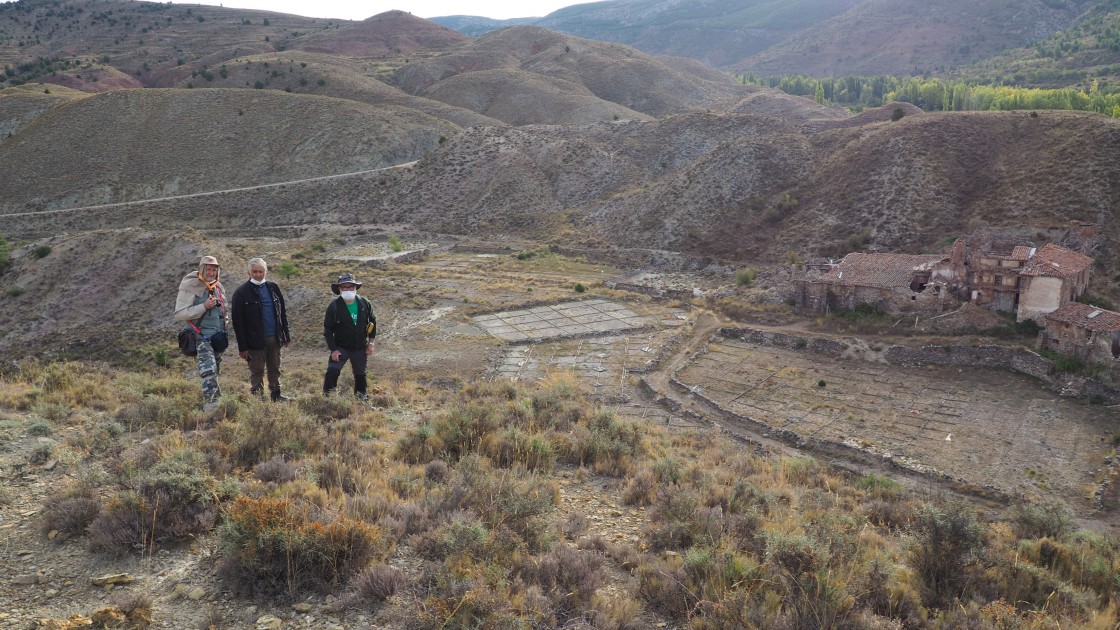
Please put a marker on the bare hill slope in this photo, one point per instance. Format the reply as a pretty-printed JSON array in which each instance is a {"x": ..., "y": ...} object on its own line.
[
  {"x": 611, "y": 72},
  {"x": 137, "y": 144}
]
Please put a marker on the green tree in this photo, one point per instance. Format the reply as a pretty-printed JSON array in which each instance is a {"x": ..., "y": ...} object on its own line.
[{"x": 289, "y": 269}]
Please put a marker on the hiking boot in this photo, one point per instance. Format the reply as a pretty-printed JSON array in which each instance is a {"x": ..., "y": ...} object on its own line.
[
  {"x": 276, "y": 396},
  {"x": 256, "y": 392}
]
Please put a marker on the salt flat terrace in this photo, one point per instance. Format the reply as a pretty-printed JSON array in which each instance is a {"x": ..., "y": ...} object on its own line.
[
  {"x": 983, "y": 427},
  {"x": 570, "y": 319}
]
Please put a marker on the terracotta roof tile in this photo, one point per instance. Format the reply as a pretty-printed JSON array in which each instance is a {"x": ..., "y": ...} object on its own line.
[
  {"x": 1056, "y": 261},
  {"x": 1078, "y": 314},
  {"x": 1021, "y": 252},
  {"x": 886, "y": 271}
]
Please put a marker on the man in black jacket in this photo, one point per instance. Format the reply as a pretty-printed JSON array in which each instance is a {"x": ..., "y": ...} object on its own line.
[
  {"x": 260, "y": 321},
  {"x": 349, "y": 328}
]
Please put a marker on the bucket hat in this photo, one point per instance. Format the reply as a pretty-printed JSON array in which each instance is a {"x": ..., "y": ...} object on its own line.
[{"x": 346, "y": 278}]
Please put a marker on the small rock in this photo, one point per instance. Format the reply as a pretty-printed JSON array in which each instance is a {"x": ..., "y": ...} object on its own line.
[
  {"x": 51, "y": 535},
  {"x": 180, "y": 590},
  {"x": 111, "y": 579},
  {"x": 268, "y": 622},
  {"x": 50, "y": 465},
  {"x": 25, "y": 579},
  {"x": 302, "y": 607},
  {"x": 196, "y": 594}
]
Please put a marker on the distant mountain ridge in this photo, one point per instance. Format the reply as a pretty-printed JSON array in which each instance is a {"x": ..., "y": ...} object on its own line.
[{"x": 838, "y": 37}]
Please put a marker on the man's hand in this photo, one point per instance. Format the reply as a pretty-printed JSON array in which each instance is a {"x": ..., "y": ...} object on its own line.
[
  {"x": 244, "y": 354},
  {"x": 336, "y": 355}
]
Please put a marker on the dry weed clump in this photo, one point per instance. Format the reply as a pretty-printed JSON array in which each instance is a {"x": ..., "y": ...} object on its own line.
[
  {"x": 71, "y": 511},
  {"x": 168, "y": 494},
  {"x": 277, "y": 546},
  {"x": 261, "y": 431}
]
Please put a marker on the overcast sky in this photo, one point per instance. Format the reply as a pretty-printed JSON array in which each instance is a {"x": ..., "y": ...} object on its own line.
[{"x": 357, "y": 10}]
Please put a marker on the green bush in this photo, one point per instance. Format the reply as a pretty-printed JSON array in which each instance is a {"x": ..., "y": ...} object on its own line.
[
  {"x": 42, "y": 251},
  {"x": 746, "y": 277},
  {"x": 395, "y": 243}
]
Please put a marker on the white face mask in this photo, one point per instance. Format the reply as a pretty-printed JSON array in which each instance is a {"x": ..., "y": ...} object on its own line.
[
  {"x": 348, "y": 295},
  {"x": 256, "y": 282}
]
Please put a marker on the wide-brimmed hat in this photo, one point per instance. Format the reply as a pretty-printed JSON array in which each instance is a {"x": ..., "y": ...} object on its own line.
[
  {"x": 346, "y": 278},
  {"x": 208, "y": 260}
]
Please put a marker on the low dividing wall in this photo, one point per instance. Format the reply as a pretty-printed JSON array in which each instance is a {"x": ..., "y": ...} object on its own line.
[{"x": 989, "y": 356}]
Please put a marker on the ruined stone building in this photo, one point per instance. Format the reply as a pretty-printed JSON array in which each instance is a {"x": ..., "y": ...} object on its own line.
[
  {"x": 1021, "y": 279},
  {"x": 1087, "y": 332},
  {"x": 1053, "y": 277},
  {"x": 889, "y": 282}
]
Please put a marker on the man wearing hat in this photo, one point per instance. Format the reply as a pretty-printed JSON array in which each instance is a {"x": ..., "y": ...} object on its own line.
[
  {"x": 349, "y": 328},
  {"x": 202, "y": 304}
]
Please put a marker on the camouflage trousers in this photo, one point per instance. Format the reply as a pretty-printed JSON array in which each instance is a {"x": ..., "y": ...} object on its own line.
[{"x": 209, "y": 365}]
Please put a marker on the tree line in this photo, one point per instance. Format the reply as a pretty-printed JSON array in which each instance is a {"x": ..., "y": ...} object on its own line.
[{"x": 934, "y": 94}]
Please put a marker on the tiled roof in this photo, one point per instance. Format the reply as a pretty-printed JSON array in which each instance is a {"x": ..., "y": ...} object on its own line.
[
  {"x": 1056, "y": 261},
  {"x": 888, "y": 271},
  {"x": 1082, "y": 316},
  {"x": 1021, "y": 252}
]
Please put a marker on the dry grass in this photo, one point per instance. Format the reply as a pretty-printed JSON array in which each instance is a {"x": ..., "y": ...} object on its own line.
[{"x": 326, "y": 502}]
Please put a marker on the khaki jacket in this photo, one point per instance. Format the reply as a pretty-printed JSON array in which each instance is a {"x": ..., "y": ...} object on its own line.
[{"x": 192, "y": 293}]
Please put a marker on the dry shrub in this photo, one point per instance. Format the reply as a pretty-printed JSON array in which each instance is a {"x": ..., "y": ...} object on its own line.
[
  {"x": 605, "y": 444},
  {"x": 136, "y": 607},
  {"x": 264, "y": 431},
  {"x": 172, "y": 499},
  {"x": 640, "y": 488},
  {"x": 325, "y": 408},
  {"x": 676, "y": 520},
  {"x": 568, "y": 576},
  {"x": 454, "y": 600},
  {"x": 276, "y": 470},
  {"x": 947, "y": 541},
  {"x": 334, "y": 473},
  {"x": 419, "y": 445},
  {"x": 436, "y": 471},
  {"x": 274, "y": 546},
  {"x": 159, "y": 412},
  {"x": 373, "y": 586},
  {"x": 516, "y": 447},
  {"x": 663, "y": 586},
  {"x": 1042, "y": 520},
  {"x": 460, "y": 429},
  {"x": 518, "y": 505},
  {"x": 894, "y": 514},
  {"x": 71, "y": 512},
  {"x": 616, "y": 613}
]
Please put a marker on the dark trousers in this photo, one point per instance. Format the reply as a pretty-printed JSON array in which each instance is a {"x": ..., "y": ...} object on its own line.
[
  {"x": 268, "y": 358},
  {"x": 357, "y": 359}
]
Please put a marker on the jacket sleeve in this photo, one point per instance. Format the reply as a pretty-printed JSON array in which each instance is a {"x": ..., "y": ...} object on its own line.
[
  {"x": 282, "y": 309},
  {"x": 185, "y": 308},
  {"x": 328, "y": 327},
  {"x": 237, "y": 315}
]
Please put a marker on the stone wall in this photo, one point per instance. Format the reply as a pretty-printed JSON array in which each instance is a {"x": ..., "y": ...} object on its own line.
[{"x": 988, "y": 356}]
